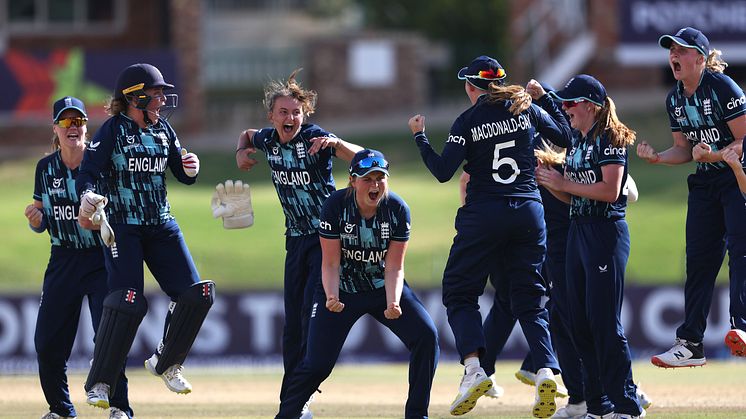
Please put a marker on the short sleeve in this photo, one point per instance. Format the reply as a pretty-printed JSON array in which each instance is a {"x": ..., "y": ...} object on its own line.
[{"x": 330, "y": 215}]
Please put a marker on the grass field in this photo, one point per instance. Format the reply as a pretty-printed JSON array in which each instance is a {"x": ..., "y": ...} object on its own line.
[
  {"x": 253, "y": 258},
  {"x": 379, "y": 391}
]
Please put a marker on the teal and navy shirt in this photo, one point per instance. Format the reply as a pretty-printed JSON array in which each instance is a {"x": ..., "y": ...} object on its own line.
[
  {"x": 704, "y": 116},
  {"x": 54, "y": 186},
  {"x": 303, "y": 181},
  {"x": 583, "y": 165},
  {"x": 128, "y": 165},
  {"x": 365, "y": 242}
]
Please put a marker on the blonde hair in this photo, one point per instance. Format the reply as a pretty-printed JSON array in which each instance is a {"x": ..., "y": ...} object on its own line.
[
  {"x": 607, "y": 121},
  {"x": 55, "y": 142},
  {"x": 520, "y": 97},
  {"x": 290, "y": 88},
  {"x": 715, "y": 62},
  {"x": 550, "y": 154}
]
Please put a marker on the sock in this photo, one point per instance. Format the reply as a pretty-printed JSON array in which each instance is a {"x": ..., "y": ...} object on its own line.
[{"x": 471, "y": 365}]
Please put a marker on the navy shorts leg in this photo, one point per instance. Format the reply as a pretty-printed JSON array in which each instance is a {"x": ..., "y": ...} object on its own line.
[
  {"x": 124, "y": 260},
  {"x": 168, "y": 258},
  {"x": 302, "y": 276},
  {"x": 417, "y": 331},
  {"x": 705, "y": 250},
  {"x": 327, "y": 332}
]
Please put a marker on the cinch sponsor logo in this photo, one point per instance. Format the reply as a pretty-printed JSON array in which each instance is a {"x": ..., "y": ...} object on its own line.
[
  {"x": 325, "y": 225},
  {"x": 586, "y": 176},
  {"x": 615, "y": 151},
  {"x": 147, "y": 164},
  {"x": 369, "y": 256},
  {"x": 507, "y": 126},
  {"x": 736, "y": 102},
  {"x": 64, "y": 212},
  {"x": 291, "y": 178},
  {"x": 456, "y": 139},
  {"x": 707, "y": 136}
]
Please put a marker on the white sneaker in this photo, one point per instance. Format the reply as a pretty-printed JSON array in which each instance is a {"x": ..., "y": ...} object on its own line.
[
  {"x": 644, "y": 399},
  {"x": 611, "y": 415},
  {"x": 52, "y": 415},
  {"x": 546, "y": 391},
  {"x": 529, "y": 378},
  {"x": 116, "y": 413},
  {"x": 306, "y": 412},
  {"x": 173, "y": 376},
  {"x": 473, "y": 386},
  {"x": 98, "y": 395},
  {"x": 682, "y": 354},
  {"x": 626, "y": 416},
  {"x": 495, "y": 391},
  {"x": 571, "y": 411}
]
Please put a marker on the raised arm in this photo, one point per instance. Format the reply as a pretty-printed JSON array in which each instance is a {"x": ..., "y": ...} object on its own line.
[{"x": 441, "y": 166}]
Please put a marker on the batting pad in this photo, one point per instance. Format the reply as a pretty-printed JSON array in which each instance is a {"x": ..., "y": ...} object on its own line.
[
  {"x": 123, "y": 311},
  {"x": 190, "y": 311}
]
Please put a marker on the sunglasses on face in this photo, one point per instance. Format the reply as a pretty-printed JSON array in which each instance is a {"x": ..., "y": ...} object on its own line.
[
  {"x": 72, "y": 122},
  {"x": 572, "y": 103},
  {"x": 370, "y": 162}
]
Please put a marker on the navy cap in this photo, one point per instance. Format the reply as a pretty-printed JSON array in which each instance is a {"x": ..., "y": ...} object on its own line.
[
  {"x": 67, "y": 102},
  {"x": 689, "y": 38},
  {"x": 482, "y": 71},
  {"x": 582, "y": 87},
  {"x": 367, "y": 161},
  {"x": 135, "y": 74}
]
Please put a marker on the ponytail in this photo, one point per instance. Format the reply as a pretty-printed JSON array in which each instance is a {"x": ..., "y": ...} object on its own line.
[
  {"x": 715, "y": 61},
  {"x": 517, "y": 94},
  {"x": 607, "y": 121}
]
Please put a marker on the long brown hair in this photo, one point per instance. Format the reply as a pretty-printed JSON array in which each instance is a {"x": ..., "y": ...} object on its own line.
[
  {"x": 290, "y": 88},
  {"x": 520, "y": 97},
  {"x": 607, "y": 121},
  {"x": 715, "y": 61}
]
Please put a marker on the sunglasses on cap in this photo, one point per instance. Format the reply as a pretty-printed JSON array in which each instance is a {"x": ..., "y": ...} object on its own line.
[
  {"x": 572, "y": 103},
  {"x": 368, "y": 163},
  {"x": 71, "y": 122}
]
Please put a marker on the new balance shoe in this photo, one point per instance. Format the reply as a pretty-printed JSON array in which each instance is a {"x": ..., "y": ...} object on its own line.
[
  {"x": 644, "y": 399},
  {"x": 173, "y": 376},
  {"x": 98, "y": 395},
  {"x": 496, "y": 391},
  {"x": 52, "y": 415},
  {"x": 611, "y": 415},
  {"x": 473, "y": 386},
  {"x": 116, "y": 413},
  {"x": 627, "y": 416},
  {"x": 682, "y": 354},
  {"x": 529, "y": 378},
  {"x": 306, "y": 412},
  {"x": 571, "y": 411},
  {"x": 546, "y": 391},
  {"x": 735, "y": 340}
]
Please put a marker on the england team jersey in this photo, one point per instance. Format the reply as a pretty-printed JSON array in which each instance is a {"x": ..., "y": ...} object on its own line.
[
  {"x": 583, "y": 165},
  {"x": 55, "y": 188},
  {"x": 704, "y": 116},
  {"x": 128, "y": 165},
  {"x": 498, "y": 147},
  {"x": 364, "y": 241},
  {"x": 302, "y": 181}
]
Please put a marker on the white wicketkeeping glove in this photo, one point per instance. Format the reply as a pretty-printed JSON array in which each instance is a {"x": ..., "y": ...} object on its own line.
[
  {"x": 232, "y": 201},
  {"x": 88, "y": 203},
  {"x": 99, "y": 218},
  {"x": 190, "y": 162}
]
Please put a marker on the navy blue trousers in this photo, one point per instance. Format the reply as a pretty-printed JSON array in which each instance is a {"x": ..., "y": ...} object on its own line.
[
  {"x": 512, "y": 230},
  {"x": 302, "y": 276},
  {"x": 328, "y": 332},
  {"x": 71, "y": 275},
  {"x": 597, "y": 253},
  {"x": 715, "y": 220}
]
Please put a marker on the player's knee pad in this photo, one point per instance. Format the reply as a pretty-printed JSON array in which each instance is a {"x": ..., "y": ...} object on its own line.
[
  {"x": 187, "y": 316},
  {"x": 122, "y": 313}
]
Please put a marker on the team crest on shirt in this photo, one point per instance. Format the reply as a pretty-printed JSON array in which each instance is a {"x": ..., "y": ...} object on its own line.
[
  {"x": 589, "y": 152},
  {"x": 677, "y": 111},
  {"x": 707, "y": 106},
  {"x": 275, "y": 157},
  {"x": 349, "y": 232},
  {"x": 57, "y": 186},
  {"x": 300, "y": 150},
  {"x": 385, "y": 230}
]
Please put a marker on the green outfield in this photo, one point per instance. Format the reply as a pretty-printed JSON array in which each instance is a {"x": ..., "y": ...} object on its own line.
[
  {"x": 254, "y": 257},
  {"x": 378, "y": 391}
]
